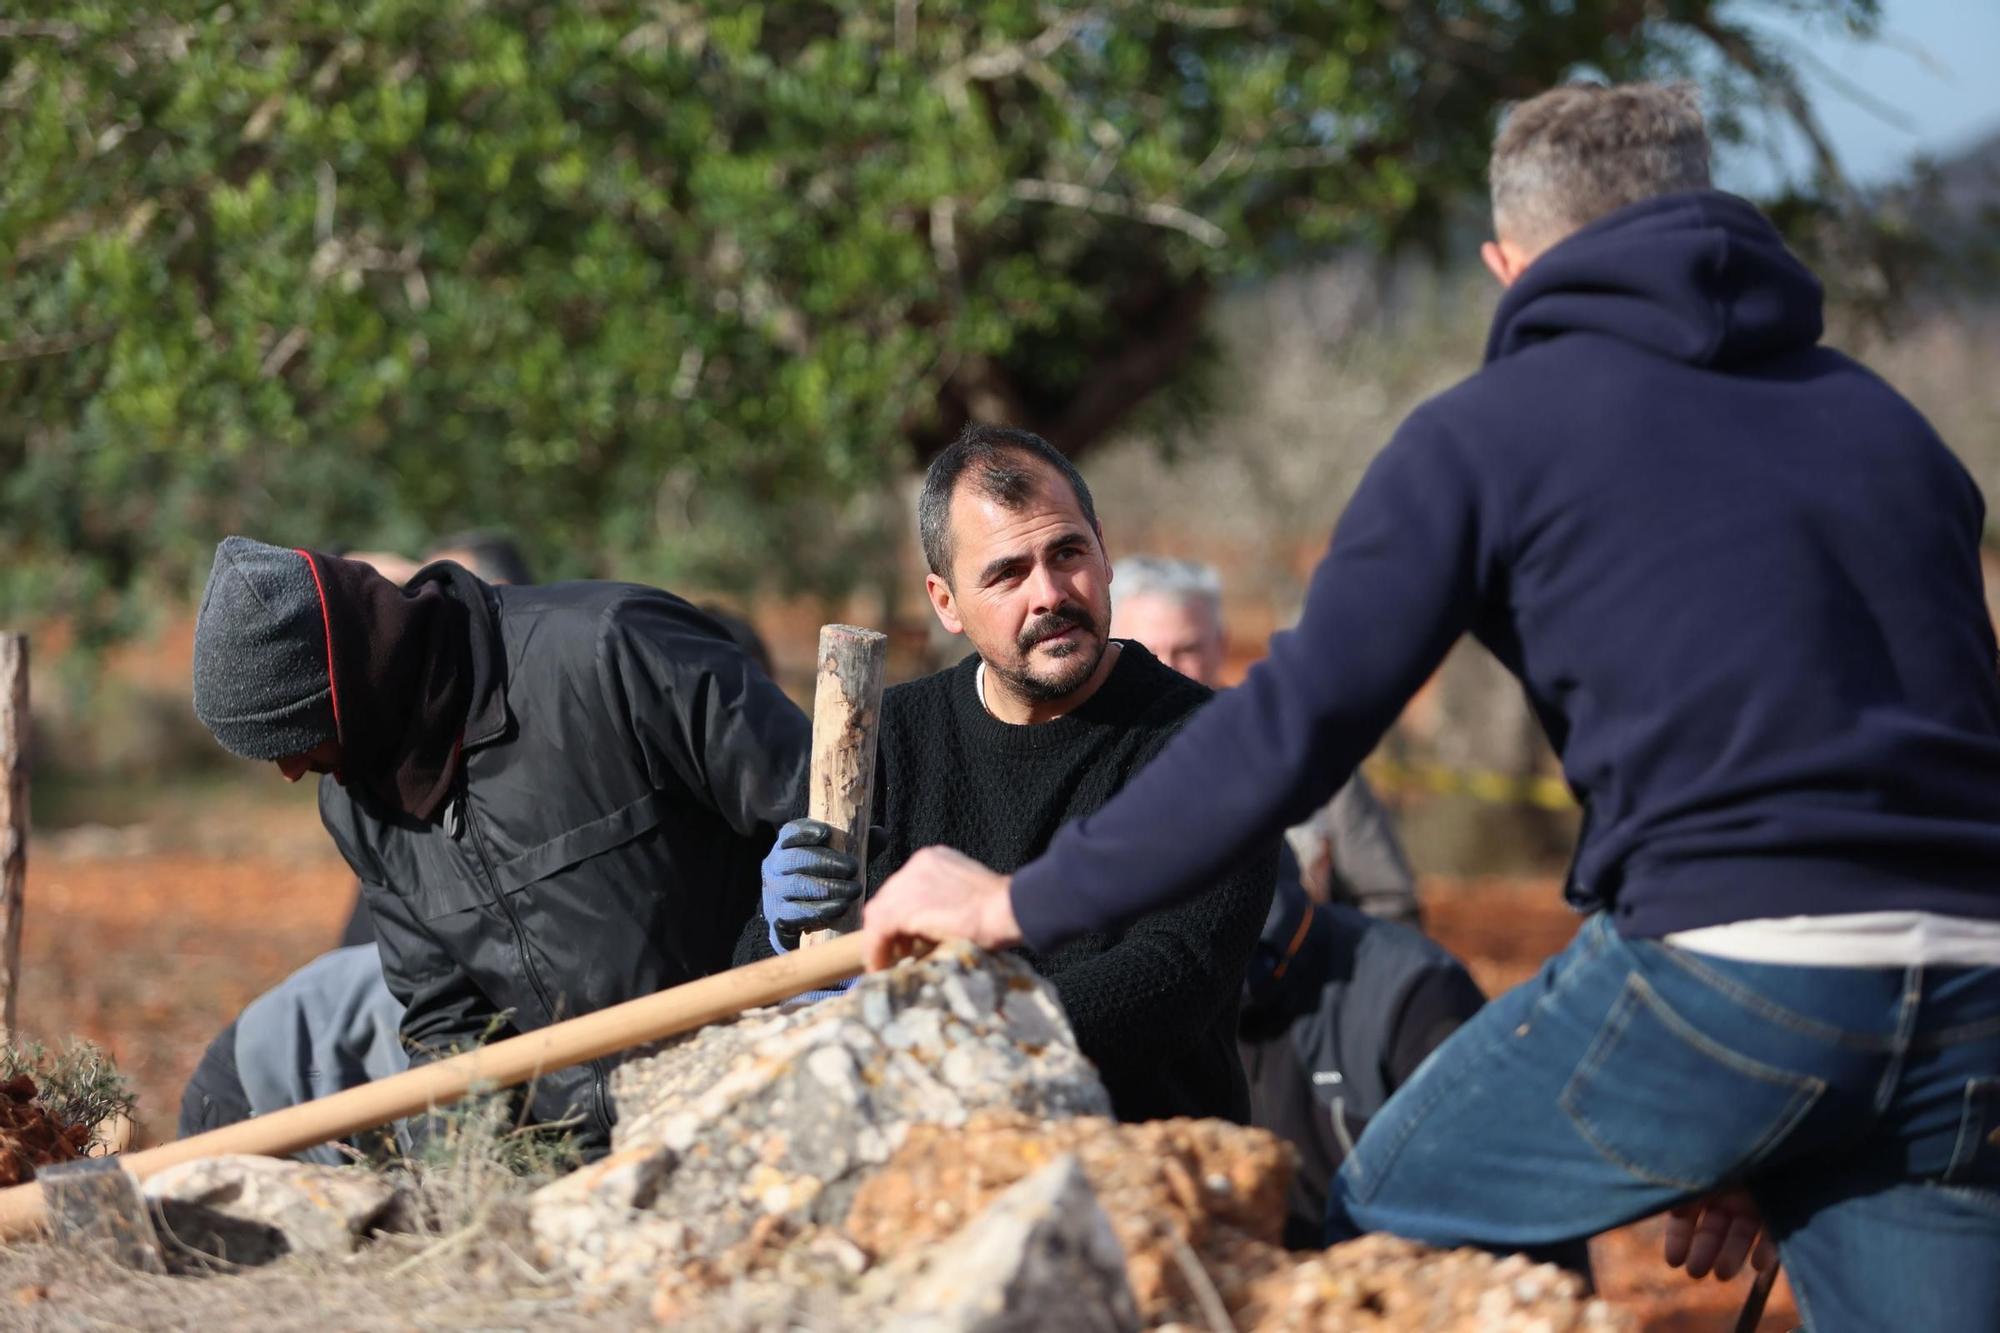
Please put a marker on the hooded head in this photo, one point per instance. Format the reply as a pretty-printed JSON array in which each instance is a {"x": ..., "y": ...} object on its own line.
[
  {"x": 1582, "y": 152},
  {"x": 263, "y": 678},
  {"x": 324, "y": 665},
  {"x": 1605, "y": 223}
]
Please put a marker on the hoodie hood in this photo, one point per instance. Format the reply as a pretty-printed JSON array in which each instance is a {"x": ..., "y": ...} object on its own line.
[
  {"x": 400, "y": 659},
  {"x": 1702, "y": 278}
]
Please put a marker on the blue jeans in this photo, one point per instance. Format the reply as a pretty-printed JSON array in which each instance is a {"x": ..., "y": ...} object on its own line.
[{"x": 1861, "y": 1107}]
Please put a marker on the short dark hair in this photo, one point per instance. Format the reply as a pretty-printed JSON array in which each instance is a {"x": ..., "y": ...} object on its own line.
[{"x": 994, "y": 456}]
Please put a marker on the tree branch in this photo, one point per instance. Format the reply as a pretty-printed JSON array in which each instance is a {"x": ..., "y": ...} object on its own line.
[
  {"x": 1740, "y": 50},
  {"x": 1119, "y": 382},
  {"x": 31, "y": 349},
  {"x": 1187, "y": 16},
  {"x": 1006, "y": 61},
  {"x": 1171, "y": 216},
  {"x": 63, "y": 34}
]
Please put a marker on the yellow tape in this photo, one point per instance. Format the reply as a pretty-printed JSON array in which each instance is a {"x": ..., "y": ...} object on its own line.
[{"x": 1484, "y": 785}]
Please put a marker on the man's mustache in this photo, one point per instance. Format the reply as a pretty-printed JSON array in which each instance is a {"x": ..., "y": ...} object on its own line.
[{"x": 1055, "y": 622}]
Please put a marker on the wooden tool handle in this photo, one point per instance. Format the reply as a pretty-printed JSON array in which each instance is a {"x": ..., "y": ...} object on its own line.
[
  {"x": 503, "y": 1064},
  {"x": 847, "y": 713}
]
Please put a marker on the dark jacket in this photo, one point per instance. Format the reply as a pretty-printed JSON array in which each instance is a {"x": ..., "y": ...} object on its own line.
[
  {"x": 1737, "y": 573},
  {"x": 623, "y": 771},
  {"x": 1339, "y": 1009}
]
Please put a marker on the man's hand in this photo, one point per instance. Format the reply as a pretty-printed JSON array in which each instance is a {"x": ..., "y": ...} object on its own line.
[
  {"x": 1717, "y": 1233},
  {"x": 939, "y": 894},
  {"x": 806, "y": 883}
]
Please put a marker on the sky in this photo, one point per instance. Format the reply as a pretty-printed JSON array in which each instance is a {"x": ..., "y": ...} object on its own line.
[{"x": 1937, "y": 65}]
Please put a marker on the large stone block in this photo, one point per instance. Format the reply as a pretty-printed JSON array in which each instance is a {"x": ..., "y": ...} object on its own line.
[
  {"x": 1041, "y": 1258},
  {"x": 249, "y": 1209},
  {"x": 776, "y": 1117}
]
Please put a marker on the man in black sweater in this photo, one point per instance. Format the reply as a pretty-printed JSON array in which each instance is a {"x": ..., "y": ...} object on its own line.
[{"x": 1044, "y": 723}]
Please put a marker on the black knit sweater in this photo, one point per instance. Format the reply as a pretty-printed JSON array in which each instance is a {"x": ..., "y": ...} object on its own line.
[{"x": 1153, "y": 1006}]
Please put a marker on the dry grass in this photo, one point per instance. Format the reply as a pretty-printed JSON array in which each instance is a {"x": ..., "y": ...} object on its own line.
[
  {"x": 77, "y": 1084},
  {"x": 467, "y": 1263}
]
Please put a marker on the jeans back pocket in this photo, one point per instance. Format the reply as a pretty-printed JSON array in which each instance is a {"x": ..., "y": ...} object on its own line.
[
  {"x": 1674, "y": 1107},
  {"x": 1975, "y": 1159}
]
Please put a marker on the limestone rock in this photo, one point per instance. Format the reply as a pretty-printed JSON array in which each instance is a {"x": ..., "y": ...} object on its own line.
[
  {"x": 250, "y": 1209},
  {"x": 1040, "y": 1259},
  {"x": 1381, "y": 1282},
  {"x": 930, "y": 1150},
  {"x": 1197, "y": 1206},
  {"x": 1172, "y": 1189},
  {"x": 775, "y": 1118},
  {"x": 596, "y": 1219}
]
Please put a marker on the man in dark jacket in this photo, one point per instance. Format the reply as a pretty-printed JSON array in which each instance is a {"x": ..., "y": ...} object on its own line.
[
  {"x": 492, "y": 557},
  {"x": 555, "y": 797},
  {"x": 1339, "y": 1009},
  {"x": 1043, "y": 723},
  {"x": 1739, "y": 578}
]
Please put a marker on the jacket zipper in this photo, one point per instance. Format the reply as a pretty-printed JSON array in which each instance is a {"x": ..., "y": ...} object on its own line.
[{"x": 521, "y": 939}]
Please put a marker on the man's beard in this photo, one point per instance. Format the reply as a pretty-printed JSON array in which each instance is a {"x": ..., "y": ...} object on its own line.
[{"x": 1074, "y": 661}]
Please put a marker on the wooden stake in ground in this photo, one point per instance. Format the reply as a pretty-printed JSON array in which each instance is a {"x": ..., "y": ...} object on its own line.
[
  {"x": 505, "y": 1063},
  {"x": 847, "y": 713},
  {"x": 13, "y": 817}
]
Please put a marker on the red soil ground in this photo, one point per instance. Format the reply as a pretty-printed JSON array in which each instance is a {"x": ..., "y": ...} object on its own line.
[{"x": 150, "y": 955}]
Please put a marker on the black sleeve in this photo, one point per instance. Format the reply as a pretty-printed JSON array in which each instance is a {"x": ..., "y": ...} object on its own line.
[
  {"x": 703, "y": 715},
  {"x": 755, "y": 941},
  {"x": 360, "y": 927},
  {"x": 444, "y": 1011},
  {"x": 1435, "y": 1007},
  {"x": 1171, "y": 972},
  {"x": 214, "y": 1095}
]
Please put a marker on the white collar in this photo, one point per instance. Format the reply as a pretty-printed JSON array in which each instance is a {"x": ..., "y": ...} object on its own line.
[{"x": 979, "y": 687}]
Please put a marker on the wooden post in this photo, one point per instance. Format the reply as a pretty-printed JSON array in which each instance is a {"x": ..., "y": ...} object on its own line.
[
  {"x": 505, "y": 1063},
  {"x": 13, "y": 818},
  {"x": 847, "y": 713}
]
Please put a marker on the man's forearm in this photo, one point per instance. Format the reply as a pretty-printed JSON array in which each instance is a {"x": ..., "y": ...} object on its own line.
[{"x": 1393, "y": 592}]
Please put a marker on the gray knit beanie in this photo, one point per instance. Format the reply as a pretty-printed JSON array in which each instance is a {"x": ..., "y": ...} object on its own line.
[{"x": 260, "y": 660}]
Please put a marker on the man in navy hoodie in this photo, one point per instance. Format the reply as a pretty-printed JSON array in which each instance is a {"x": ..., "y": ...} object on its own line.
[{"x": 1738, "y": 576}]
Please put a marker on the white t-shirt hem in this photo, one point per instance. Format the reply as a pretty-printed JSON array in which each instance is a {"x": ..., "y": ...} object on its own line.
[{"x": 1852, "y": 939}]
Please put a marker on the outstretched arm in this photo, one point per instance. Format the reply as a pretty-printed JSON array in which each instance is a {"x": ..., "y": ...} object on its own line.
[{"x": 1402, "y": 579}]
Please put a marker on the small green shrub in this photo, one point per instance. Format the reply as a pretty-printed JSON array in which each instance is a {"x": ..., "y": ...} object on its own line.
[{"x": 77, "y": 1082}]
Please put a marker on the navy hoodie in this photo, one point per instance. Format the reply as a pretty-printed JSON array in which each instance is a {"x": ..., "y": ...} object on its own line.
[{"x": 1736, "y": 573}]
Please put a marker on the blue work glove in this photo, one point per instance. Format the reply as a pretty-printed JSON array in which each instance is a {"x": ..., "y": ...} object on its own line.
[{"x": 807, "y": 885}]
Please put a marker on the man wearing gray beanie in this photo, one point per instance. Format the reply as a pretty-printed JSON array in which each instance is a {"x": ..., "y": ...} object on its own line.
[{"x": 555, "y": 796}]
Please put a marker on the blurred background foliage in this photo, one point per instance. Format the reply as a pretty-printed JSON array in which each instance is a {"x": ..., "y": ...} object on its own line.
[{"x": 685, "y": 290}]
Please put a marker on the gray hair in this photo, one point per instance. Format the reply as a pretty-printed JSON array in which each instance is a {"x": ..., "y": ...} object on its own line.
[
  {"x": 1578, "y": 153},
  {"x": 1163, "y": 576}
]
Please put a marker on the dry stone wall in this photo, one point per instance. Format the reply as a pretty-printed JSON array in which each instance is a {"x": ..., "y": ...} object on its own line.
[{"x": 927, "y": 1151}]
